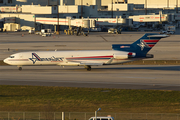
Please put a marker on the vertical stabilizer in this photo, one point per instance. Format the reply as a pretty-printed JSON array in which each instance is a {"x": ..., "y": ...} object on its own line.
[{"x": 145, "y": 43}]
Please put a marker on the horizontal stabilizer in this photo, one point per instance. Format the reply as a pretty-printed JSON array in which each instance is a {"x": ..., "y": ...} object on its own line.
[{"x": 158, "y": 36}]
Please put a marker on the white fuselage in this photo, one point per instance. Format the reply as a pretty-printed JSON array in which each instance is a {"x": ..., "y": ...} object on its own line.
[{"x": 100, "y": 57}]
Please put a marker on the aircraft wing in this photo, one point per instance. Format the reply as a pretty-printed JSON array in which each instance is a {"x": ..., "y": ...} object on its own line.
[{"x": 91, "y": 63}]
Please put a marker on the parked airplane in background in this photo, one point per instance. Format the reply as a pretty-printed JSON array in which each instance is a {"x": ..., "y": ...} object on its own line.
[{"x": 120, "y": 53}]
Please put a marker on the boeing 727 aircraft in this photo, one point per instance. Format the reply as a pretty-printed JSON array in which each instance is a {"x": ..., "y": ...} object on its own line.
[{"x": 120, "y": 53}]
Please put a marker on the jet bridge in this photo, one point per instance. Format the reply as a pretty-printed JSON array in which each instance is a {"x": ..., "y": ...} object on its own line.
[
  {"x": 150, "y": 18},
  {"x": 85, "y": 22}
]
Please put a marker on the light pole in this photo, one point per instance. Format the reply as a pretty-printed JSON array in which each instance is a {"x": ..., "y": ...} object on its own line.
[
  {"x": 167, "y": 3},
  {"x": 112, "y": 8},
  {"x": 81, "y": 8},
  {"x": 176, "y": 6},
  {"x": 96, "y": 113},
  {"x": 146, "y": 10},
  {"x": 146, "y": 7},
  {"x": 57, "y": 17}
]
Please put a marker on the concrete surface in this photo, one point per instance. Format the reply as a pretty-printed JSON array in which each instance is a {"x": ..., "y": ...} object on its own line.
[{"x": 115, "y": 76}]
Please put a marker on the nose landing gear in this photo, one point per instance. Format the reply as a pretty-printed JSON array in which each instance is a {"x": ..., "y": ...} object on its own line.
[{"x": 19, "y": 68}]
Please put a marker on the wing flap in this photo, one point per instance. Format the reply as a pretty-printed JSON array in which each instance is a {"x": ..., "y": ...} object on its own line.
[{"x": 91, "y": 63}]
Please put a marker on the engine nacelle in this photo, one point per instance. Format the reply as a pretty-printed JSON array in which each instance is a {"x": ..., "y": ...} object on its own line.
[
  {"x": 116, "y": 56},
  {"x": 124, "y": 56}
]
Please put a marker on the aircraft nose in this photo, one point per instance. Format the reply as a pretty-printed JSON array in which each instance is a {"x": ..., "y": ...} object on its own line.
[{"x": 5, "y": 61}]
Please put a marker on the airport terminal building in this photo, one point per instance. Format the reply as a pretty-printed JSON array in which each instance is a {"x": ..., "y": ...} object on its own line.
[{"x": 36, "y": 14}]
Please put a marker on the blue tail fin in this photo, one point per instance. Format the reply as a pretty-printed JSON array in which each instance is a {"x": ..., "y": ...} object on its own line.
[{"x": 142, "y": 46}]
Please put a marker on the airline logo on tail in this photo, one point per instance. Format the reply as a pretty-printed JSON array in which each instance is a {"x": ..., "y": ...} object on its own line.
[
  {"x": 35, "y": 58},
  {"x": 147, "y": 43}
]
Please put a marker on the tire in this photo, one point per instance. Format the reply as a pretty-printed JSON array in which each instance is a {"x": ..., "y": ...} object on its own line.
[{"x": 20, "y": 68}]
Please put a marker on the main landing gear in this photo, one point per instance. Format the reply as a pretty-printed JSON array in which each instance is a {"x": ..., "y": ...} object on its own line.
[{"x": 88, "y": 67}]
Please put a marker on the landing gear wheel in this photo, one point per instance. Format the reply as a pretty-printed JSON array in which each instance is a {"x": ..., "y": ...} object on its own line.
[
  {"x": 88, "y": 68},
  {"x": 20, "y": 68}
]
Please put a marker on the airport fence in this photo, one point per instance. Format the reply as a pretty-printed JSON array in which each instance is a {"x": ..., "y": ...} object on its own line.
[{"x": 85, "y": 116}]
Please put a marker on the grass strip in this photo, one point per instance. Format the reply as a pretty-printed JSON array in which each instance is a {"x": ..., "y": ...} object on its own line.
[{"x": 51, "y": 99}]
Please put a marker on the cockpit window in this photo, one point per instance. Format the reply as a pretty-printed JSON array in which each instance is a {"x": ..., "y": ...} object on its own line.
[{"x": 11, "y": 56}]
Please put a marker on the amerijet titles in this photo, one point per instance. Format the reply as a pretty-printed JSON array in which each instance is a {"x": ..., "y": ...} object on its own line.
[{"x": 35, "y": 58}]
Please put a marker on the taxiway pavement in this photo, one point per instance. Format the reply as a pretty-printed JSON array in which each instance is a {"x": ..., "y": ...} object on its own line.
[{"x": 115, "y": 76}]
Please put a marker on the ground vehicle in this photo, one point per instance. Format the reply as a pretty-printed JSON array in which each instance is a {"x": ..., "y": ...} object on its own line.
[
  {"x": 114, "y": 30},
  {"x": 31, "y": 31},
  {"x": 17, "y": 30},
  {"x": 76, "y": 31},
  {"x": 101, "y": 118},
  {"x": 170, "y": 32},
  {"x": 95, "y": 29},
  {"x": 136, "y": 26},
  {"x": 163, "y": 32},
  {"x": 170, "y": 28},
  {"x": 44, "y": 32},
  {"x": 167, "y": 32}
]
